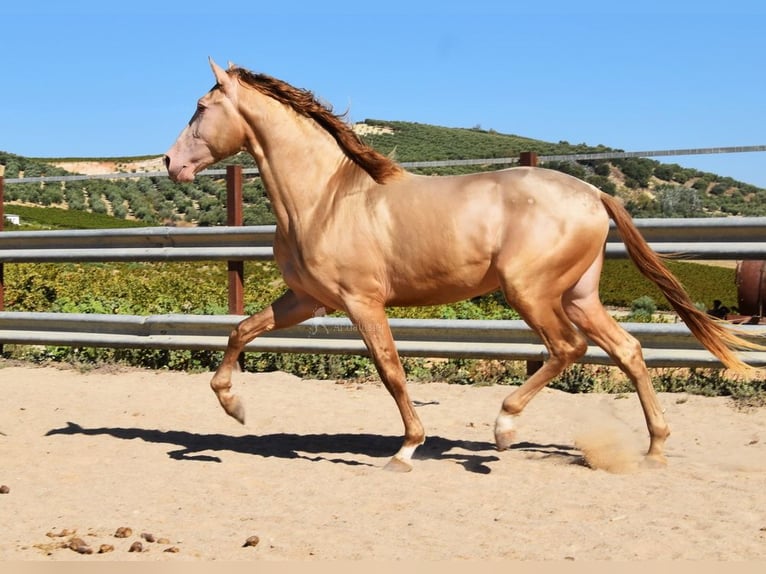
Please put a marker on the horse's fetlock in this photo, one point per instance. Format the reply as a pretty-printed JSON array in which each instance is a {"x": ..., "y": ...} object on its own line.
[
  {"x": 511, "y": 408},
  {"x": 220, "y": 384}
]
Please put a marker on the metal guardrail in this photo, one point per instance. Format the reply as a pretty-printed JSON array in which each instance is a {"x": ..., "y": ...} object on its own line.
[
  {"x": 138, "y": 244},
  {"x": 664, "y": 345},
  {"x": 694, "y": 238}
]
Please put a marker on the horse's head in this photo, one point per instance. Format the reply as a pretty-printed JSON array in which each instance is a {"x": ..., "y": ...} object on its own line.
[{"x": 215, "y": 131}]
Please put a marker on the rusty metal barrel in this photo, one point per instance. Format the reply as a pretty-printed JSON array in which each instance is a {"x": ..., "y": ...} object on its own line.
[{"x": 751, "y": 287}]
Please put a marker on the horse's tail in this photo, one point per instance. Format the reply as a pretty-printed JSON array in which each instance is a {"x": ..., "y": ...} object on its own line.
[{"x": 715, "y": 335}]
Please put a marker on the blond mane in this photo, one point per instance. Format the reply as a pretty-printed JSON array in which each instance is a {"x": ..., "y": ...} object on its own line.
[{"x": 378, "y": 166}]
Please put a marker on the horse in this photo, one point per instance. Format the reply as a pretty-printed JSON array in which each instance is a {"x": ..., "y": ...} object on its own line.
[{"x": 355, "y": 233}]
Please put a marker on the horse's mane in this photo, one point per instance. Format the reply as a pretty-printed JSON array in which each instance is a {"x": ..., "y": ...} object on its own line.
[{"x": 378, "y": 166}]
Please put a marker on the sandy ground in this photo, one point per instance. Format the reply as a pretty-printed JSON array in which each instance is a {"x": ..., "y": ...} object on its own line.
[{"x": 83, "y": 454}]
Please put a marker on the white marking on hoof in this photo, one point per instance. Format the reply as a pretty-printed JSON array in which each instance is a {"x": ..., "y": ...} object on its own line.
[
  {"x": 505, "y": 431},
  {"x": 406, "y": 452}
]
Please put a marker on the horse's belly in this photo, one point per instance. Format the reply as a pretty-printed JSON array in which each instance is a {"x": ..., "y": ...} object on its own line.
[{"x": 440, "y": 289}]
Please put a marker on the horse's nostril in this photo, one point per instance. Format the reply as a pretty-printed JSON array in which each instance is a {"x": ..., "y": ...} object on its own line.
[{"x": 167, "y": 161}]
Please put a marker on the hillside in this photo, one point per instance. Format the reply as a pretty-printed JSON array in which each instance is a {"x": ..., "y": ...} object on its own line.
[{"x": 650, "y": 188}]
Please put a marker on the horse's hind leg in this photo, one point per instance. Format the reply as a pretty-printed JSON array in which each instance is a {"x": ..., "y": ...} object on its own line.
[
  {"x": 584, "y": 308},
  {"x": 565, "y": 345},
  {"x": 291, "y": 308}
]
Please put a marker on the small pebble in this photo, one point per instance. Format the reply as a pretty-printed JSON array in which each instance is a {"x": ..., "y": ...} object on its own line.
[
  {"x": 79, "y": 546},
  {"x": 75, "y": 541},
  {"x": 123, "y": 532},
  {"x": 148, "y": 537},
  {"x": 136, "y": 547},
  {"x": 172, "y": 550},
  {"x": 251, "y": 541},
  {"x": 163, "y": 541},
  {"x": 105, "y": 548},
  {"x": 4, "y": 489}
]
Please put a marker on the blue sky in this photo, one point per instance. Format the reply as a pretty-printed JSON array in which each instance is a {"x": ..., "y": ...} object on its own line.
[{"x": 84, "y": 79}]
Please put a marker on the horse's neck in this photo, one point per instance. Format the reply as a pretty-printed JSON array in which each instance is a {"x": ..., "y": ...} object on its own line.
[{"x": 299, "y": 163}]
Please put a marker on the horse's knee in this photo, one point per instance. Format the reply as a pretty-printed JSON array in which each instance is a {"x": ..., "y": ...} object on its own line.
[{"x": 238, "y": 335}]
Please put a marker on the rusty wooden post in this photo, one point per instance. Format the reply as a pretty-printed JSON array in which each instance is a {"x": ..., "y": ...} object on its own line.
[
  {"x": 236, "y": 269},
  {"x": 529, "y": 159},
  {"x": 751, "y": 287}
]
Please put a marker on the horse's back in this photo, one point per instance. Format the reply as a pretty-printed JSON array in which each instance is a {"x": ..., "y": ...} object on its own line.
[{"x": 538, "y": 200}]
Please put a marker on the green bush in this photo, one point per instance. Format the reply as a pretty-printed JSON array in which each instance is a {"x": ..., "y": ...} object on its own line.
[
  {"x": 711, "y": 383},
  {"x": 642, "y": 310},
  {"x": 602, "y": 168},
  {"x": 637, "y": 171}
]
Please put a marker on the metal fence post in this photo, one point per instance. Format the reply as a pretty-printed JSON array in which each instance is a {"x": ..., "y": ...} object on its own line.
[{"x": 236, "y": 269}]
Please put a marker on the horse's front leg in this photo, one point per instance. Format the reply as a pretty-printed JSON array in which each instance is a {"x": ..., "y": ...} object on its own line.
[
  {"x": 373, "y": 326},
  {"x": 291, "y": 308}
]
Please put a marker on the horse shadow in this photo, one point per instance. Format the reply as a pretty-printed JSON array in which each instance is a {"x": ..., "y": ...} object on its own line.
[{"x": 474, "y": 456}]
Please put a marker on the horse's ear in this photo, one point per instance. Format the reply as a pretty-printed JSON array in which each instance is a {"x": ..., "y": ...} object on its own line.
[
  {"x": 221, "y": 77},
  {"x": 231, "y": 65}
]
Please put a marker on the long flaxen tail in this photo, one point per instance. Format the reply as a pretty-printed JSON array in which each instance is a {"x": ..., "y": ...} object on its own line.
[{"x": 717, "y": 337}]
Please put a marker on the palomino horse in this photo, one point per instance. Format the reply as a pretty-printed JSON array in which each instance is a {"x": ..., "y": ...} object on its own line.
[{"x": 356, "y": 232}]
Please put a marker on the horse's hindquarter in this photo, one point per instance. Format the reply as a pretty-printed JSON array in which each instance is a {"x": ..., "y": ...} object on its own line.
[
  {"x": 546, "y": 208},
  {"x": 556, "y": 226}
]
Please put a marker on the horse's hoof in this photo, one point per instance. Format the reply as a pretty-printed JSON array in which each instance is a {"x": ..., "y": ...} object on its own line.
[
  {"x": 397, "y": 464},
  {"x": 654, "y": 461},
  {"x": 235, "y": 409},
  {"x": 504, "y": 440}
]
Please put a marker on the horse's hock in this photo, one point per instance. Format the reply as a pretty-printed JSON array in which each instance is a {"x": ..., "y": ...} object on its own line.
[{"x": 751, "y": 287}]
